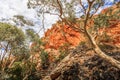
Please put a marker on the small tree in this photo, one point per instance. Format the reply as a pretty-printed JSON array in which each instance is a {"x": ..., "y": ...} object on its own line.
[
  {"x": 11, "y": 39},
  {"x": 12, "y": 43},
  {"x": 44, "y": 59}
]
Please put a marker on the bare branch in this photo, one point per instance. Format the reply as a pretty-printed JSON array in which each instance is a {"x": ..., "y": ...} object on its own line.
[
  {"x": 96, "y": 9},
  {"x": 82, "y": 6},
  {"x": 63, "y": 19},
  {"x": 60, "y": 8}
]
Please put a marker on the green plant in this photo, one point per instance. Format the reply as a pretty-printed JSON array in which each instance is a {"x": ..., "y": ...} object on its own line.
[
  {"x": 12, "y": 41},
  {"x": 63, "y": 53},
  {"x": 21, "y": 70},
  {"x": 22, "y": 20},
  {"x": 13, "y": 73},
  {"x": 15, "y": 45},
  {"x": 11, "y": 34},
  {"x": 44, "y": 59},
  {"x": 82, "y": 43},
  {"x": 106, "y": 47}
]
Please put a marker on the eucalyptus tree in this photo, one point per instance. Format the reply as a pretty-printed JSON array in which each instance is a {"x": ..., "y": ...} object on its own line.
[
  {"x": 22, "y": 21},
  {"x": 69, "y": 10},
  {"x": 12, "y": 42}
]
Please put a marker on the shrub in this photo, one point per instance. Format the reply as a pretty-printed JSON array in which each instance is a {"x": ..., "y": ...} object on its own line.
[{"x": 44, "y": 59}]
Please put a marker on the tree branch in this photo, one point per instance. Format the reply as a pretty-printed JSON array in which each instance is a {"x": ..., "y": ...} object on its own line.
[{"x": 82, "y": 6}]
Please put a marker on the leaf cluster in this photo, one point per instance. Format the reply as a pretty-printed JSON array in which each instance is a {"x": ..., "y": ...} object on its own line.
[
  {"x": 11, "y": 34},
  {"x": 44, "y": 59},
  {"x": 103, "y": 20}
]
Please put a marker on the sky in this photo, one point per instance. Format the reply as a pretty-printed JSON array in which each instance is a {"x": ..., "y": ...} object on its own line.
[{"x": 9, "y": 8}]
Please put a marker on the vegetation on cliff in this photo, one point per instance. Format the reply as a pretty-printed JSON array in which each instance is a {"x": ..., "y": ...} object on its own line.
[{"x": 84, "y": 48}]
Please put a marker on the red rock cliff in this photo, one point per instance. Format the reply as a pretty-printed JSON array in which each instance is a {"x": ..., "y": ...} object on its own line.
[{"x": 61, "y": 34}]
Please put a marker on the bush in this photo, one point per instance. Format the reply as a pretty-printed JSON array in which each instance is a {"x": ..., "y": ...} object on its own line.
[
  {"x": 19, "y": 70},
  {"x": 44, "y": 59}
]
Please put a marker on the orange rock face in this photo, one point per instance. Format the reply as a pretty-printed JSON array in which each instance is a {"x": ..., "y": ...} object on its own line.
[
  {"x": 60, "y": 35},
  {"x": 114, "y": 32}
]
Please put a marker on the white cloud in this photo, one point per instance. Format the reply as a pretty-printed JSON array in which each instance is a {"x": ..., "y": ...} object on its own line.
[{"x": 10, "y": 8}]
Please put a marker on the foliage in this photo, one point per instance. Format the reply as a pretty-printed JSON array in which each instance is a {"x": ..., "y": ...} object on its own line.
[
  {"x": 11, "y": 34},
  {"x": 103, "y": 20},
  {"x": 20, "y": 70},
  {"x": 13, "y": 40},
  {"x": 44, "y": 59},
  {"x": 62, "y": 55},
  {"x": 35, "y": 39},
  {"x": 32, "y": 35},
  {"x": 16, "y": 70},
  {"x": 22, "y": 67},
  {"x": 64, "y": 51},
  {"x": 106, "y": 47},
  {"x": 82, "y": 43},
  {"x": 19, "y": 19},
  {"x": 17, "y": 65}
]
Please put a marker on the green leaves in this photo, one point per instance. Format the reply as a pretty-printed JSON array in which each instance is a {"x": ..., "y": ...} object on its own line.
[
  {"x": 44, "y": 59},
  {"x": 32, "y": 35},
  {"x": 15, "y": 40},
  {"x": 11, "y": 34},
  {"x": 22, "y": 21},
  {"x": 103, "y": 20}
]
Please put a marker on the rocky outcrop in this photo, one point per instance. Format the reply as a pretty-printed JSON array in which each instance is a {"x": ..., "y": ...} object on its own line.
[
  {"x": 114, "y": 32},
  {"x": 85, "y": 65},
  {"x": 61, "y": 34}
]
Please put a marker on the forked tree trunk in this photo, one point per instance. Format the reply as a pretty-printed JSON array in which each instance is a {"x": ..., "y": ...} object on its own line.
[
  {"x": 100, "y": 53},
  {"x": 92, "y": 41},
  {"x": 97, "y": 49}
]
